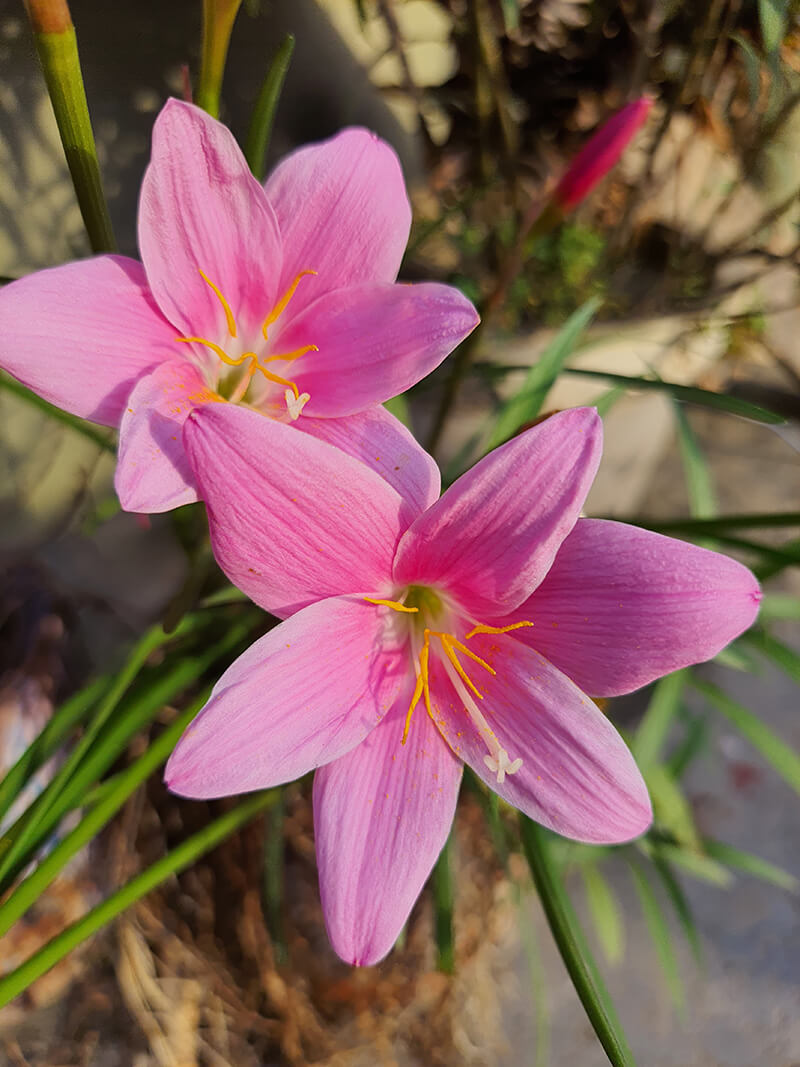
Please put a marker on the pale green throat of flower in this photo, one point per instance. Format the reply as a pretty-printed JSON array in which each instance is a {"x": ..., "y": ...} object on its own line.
[
  {"x": 294, "y": 399},
  {"x": 426, "y": 604}
]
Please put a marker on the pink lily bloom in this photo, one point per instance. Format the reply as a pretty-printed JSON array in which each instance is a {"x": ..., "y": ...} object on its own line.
[
  {"x": 427, "y": 633},
  {"x": 280, "y": 298},
  {"x": 601, "y": 152}
]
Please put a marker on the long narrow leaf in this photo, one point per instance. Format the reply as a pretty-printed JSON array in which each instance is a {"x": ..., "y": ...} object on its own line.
[
  {"x": 690, "y": 394},
  {"x": 677, "y": 896},
  {"x": 525, "y": 406},
  {"x": 443, "y": 906},
  {"x": 652, "y": 731},
  {"x": 782, "y": 655},
  {"x": 28, "y": 891},
  {"x": 773, "y": 748},
  {"x": 260, "y": 129},
  {"x": 572, "y": 945},
  {"x": 660, "y": 934},
  {"x": 46, "y": 744},
  {"x": 702, "y": 499},
  {"x": 102, "y": 438},
  {"x": 18, "y": 980},
  {"x": 605, "y": 912},
  {"x": 750, "y": 864}
]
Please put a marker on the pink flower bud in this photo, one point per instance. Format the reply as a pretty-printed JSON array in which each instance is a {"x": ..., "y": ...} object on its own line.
[{"x": 600, "y": 154}]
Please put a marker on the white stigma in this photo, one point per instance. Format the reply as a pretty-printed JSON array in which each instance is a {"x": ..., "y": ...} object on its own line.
[{"x": 294, "y": 405}]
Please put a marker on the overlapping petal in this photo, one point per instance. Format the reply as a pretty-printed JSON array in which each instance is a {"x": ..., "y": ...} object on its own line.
[
  {"x": 343, "y": 212},
  {"x": 292, "y": 519},
  {"x": 377, "y": 438},
  {"x": 201, "y": 209},
  {"x": 303, "y": 695},
  {"x": 382, "y": 814},
  {"x": 374, "y": 341},
  {"x": 622, "y": 606},
  {"x": 153, "y": 472},
  {"x": 80, "y": 335},
  {"x": 493, "y": 535},
  {"x": 577, "y": 776}
]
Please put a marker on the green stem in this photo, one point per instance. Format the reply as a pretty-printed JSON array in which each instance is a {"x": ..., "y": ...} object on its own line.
[
  {"x": 260, "y": 129},
  {"x": 101, "y": 437},
  {"x": 218, "y": 19},
  {"x": 57, "y": 46},
  {"x": 571, "y": 944},
  {"x": 274, "y": 877},
  {"x": 18, "y": 980}
]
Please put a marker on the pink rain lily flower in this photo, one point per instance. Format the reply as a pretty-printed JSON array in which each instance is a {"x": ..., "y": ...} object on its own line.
[
  {"x": 280, "y": 298},
  {"x": 425, "y": 633},
  {"x": 600, "y": 154}
]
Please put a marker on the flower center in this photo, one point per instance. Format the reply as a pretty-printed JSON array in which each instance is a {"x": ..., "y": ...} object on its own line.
[
  {"x": 234, "y": 387},
  {"x": 428, "y": 607}
]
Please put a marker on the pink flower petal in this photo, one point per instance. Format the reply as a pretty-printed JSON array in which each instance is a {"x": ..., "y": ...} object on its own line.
[
  {"x": 622, "y": 606},
  {"x": 201, "y": 209},
  {"x": 577, "y": 776},
  {"x": 382, "y": 442},
  {"x": 343, "y": 212},
  {"x": 374, "y": 342},
  {"x": 153, "y": 473},
  {"x": 80, "y": 335},
  {"x": 292, "y": 519},
  {"x": 382, "y": 814},
  {"x": 304, "y": 694},
  {"x": 492, "y": 537}
]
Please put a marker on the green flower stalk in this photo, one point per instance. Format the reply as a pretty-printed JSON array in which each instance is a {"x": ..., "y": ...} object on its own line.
[
  {"x": 218, "y": 19},
  {"x": 57, "y": 47}
]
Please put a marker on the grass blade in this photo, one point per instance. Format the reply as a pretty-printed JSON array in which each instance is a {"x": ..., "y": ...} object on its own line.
[
  {"x": 572, "y": 945},
  {"x": 525, "y": 406},
  {"x": 677, "y": 896},
  {"x": 750, "y": 864},
  {"x": 702, "y": 499},
  {"x": 126, "y": 783},
  {"x": 661, "y": 937},
  {"x": 652, "y": 731},
  {"x": 782, "y": 655},
  {"x": 605, "y": 912},
  {"x": 46, "y": 744},
  {"x": 689, "y": 394},
  {"x": 443, "y": 905},
  {"x": 102, "y": 438},
  {"x": 260, "y": 129},
  {"x": 773, "y": 748},
  {"x": 18, "y": 980}
]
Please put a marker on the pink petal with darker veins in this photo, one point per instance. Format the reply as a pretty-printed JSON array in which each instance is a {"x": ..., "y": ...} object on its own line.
[
  {"x": 577, "y": 776},
  {"x": 382, "y": 814},
  {"x": 374, "y": 342},
  {"x": 343, "y": 212},
  {"x": 153, "y": 473},
  {"x": 81, "y": 335},
  {"x": 303, "y": 695},
  {"x": 201, "y": 209},
  {"x": 493, "y": 536},
  {"x": 622, "y": 606},
  {"x": 292, "y": 519}
]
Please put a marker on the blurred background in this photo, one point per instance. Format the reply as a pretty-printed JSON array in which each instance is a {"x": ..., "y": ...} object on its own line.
[{"x": 682, "y": 267}]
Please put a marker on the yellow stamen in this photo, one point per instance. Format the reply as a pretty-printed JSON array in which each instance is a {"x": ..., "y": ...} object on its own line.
[
  {"x": 468, "y": 652},
  {"x": 219, "y": 351},
  {"x": 414, "y": 701},
  {"x": 280, "y": 307},
  {"x": 390, "y": 604},
  {"x": 287, "y": 357},
  {"x": 226, "y": 306},
  {"x": 422, "y": 688},
  {"x": 481, "y": 629},
  {"x": 448, "y": 651}
]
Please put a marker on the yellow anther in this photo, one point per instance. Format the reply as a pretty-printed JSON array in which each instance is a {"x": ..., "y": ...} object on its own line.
[
  {"x": 287, "y": 357},
  {"x": 280, "y": 307},
  {"x": 390, "y": 604},
  {"x": 481, "y": 629},
  {"x": 421, "y": 689},
  {"x": 225, "y": 305}
]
